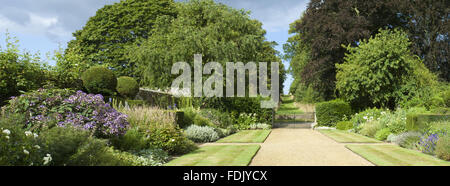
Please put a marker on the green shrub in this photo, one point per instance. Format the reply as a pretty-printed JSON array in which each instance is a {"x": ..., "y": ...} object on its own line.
[
  {"x": 362, "y": 117},
  {"x": 201, "y": 134},
  {"x": 443, "y": 147},
  {"x": 18, "y": 147},
  {"x": 99, "y": 80},
  {"x": 244, "y": 121},
  {"x": 62, "y": 143},
  {"x": 19, "y": 71},
  {"x": 157, "y": 156},
  {"x": 382, "y": 134},
  {"x": 218, "y": 118},
  {"x": 382, "y": 72},
  {"x": 147, "y": 157},
  {"x": 202, "y": 121},
  {"x": 344, "y": 125},
  {"x": 92, "y": 153},
  {"x": 158, "y": 129},
  {"x": 133, "y": 140},
  {"x": 127, "y": 87},
  {"x": 189, "y": 114},
  {"x": 237, "y": 105},
  {"x": 226, "y": 132},
  {"x": 171, "y": 139},
  {"x": 406, "y": 139},
  {"x": 330, "y": 112},
  {"x": 446, "y": 97},
  {"x": 370, "y": 128},
  {"x": 418, "y": 121}
]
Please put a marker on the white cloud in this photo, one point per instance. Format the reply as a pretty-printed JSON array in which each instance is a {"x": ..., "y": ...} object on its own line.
[
  {"x": 275, "y": 15},
  {"x": 56, "y": 20}
]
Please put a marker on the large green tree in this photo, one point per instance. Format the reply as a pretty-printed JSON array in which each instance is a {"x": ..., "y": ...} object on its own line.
[
  {"x": 218, "y": 32},
  {"x": 20, "y": 71},
  {"x": 383, "y": 72},
  {"x": 325, "y": 26},
  {"x": 427, "y": 25},
  {"x": 105, "y": 37}
]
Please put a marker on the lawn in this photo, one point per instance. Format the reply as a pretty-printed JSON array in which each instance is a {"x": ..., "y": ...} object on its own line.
[
  {"x": 347, "y": 137},
  {"x": 218, "y": 155},
  {"x": 392, "y": 155},
  {"x": 246, "y": 136},
  {"x": 287, "y": 106}
]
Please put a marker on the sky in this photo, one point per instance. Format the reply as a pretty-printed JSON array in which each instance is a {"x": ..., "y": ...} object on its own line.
[{"x": 44, "y": 26}]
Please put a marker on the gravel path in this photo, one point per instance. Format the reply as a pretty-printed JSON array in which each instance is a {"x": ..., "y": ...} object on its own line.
[{"x": 304, "y": 147}]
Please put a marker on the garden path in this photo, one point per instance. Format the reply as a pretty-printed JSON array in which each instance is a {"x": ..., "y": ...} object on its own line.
[{"x": 304, "y": 147}]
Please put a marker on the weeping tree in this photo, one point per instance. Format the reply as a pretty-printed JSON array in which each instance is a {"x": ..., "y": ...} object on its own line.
[{"x": 218, "y": 32}]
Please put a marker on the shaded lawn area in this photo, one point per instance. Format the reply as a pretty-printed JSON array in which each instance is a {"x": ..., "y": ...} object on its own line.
[
  {"x": 287, "y": 106},
  {"x": 246, "y": 136},
  {"x": 347, "y": 137},
  {"x": 392, "y": 155},
  {"x": 218, "y": 155}
]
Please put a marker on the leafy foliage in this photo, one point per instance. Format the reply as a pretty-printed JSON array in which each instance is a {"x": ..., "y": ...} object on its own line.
[
  {"x": 382, "y": 134},
  {"x": 99, "y": 80},
  {"x": 201, "y": 133},
  {"x": 381, "y": 72},
  {"x": 344, "y": 125},
  {"x": 218, "y": 32},
  {"x": 105, "y": 37},
  {"x": 426, "y": 22},
  {"x": 443, "y": 148},
  {"x": 323, "y": 28},
  {"x": 331, "y": 112},
  {"x": 20, "y": 72},
  {"x": 17, "y": 145},
  {"x": 153, "y": 128},
  {"x": 127, "y": 87}
]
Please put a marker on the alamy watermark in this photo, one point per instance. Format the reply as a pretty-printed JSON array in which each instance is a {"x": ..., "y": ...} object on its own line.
[{"x": 217, "y": 79}]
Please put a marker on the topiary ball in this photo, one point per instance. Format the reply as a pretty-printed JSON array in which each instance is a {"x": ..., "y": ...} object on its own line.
[
  {"x": 127, "y": 87},
  {"x": 99, "y": 80}
]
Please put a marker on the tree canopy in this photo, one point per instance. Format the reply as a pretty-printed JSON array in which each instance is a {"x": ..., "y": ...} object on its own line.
[
  {"x": 218, "y": 32},
  {"x": 382, "y": 72},
  {"x": 325, "y": 26},
  {"x": 105, "y": 37}
]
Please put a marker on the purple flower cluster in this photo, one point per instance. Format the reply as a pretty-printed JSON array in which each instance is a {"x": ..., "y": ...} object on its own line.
[
  {"x": 81, "y": 110},
  {"x": 427, "y": 143},
  {"x": 90, "y": 112}
]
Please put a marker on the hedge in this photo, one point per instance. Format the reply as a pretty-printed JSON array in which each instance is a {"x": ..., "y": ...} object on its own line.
[
  {"x": 416, "y": 122},
  {"x": 330, "y": 112}
]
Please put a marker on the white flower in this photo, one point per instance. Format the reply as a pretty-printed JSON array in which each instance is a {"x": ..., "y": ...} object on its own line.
[
  {"x": 365, "y": 117},
  {"x": 37, "y": 146},
  {"x": 173, "y": 140},
  {"x": 26, "y": 152},
  {"x": 7, "y": 137},
  {"x": 28, "y": 133},
  {"x": 7, "y": 132},
  {"x": 47, "y": 159},
  {"x": 35, "y": 135}
]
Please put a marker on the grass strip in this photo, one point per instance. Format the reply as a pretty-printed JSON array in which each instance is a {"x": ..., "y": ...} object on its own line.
[
  {"x": 347, "y": 137},
  {"x": 392, "y": 155},
  {"x": 246, "y": 136},
  {"x": 220, "y": 155}
]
